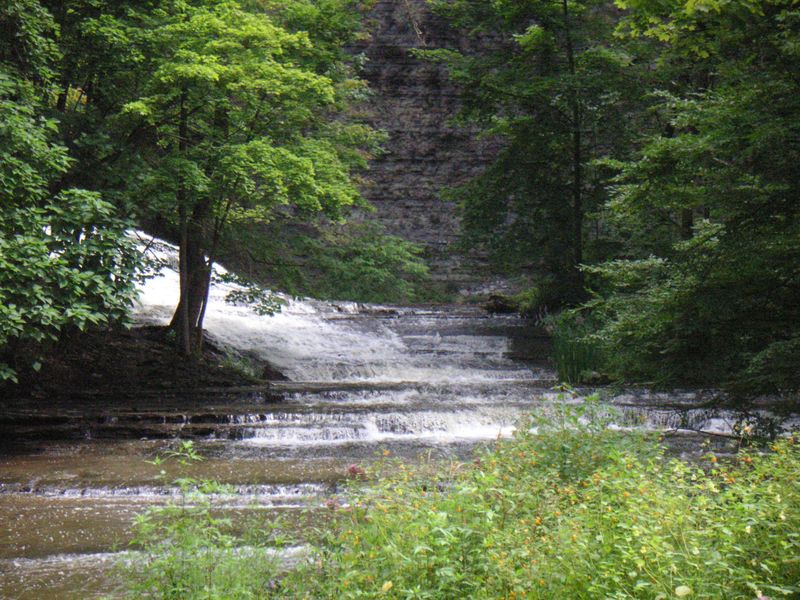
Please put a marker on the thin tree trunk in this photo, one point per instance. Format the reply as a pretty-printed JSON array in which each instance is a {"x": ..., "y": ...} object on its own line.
[
  {"x": 61, "y": 102},
  {"x": 212, "y": 255},
  {"x": 180, "y": 321},
  {"x": 687, "y": 223},
  {"x": 577, "y": 155}
]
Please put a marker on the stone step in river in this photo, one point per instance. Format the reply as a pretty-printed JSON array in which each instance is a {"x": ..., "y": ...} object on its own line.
[{"x": 363, "y": 380}]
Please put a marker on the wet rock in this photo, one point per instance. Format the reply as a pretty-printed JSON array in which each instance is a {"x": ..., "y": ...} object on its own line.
[
  {"x": 130, "y": 363},
  {"x": 498, "y": 304},
  {"x": 270, "y": 373}
]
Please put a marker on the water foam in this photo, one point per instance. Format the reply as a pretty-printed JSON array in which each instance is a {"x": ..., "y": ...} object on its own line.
[{"x": 322, "y": 342}]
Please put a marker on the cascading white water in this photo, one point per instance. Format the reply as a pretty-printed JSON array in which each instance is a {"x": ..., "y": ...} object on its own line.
[
  {"x": 375, "y": 375},
  {"x": 409, "y": 380},
  {"x": 431, "y": 375},
  {"x": 316, "y": 341}
]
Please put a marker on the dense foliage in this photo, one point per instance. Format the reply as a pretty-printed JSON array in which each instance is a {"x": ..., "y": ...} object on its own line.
[
  {"x": 675, "y": 125},
  {"x": 184, "y": 118},
  {"x": 65, "y": 262},
  {"x": 571, "y": 511},
  {"x": 353, "y": 261},
  {"x": 721, "y": 304}
]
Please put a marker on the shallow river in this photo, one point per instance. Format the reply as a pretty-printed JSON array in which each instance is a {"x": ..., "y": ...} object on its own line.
[{"x": 364, "y": 379}]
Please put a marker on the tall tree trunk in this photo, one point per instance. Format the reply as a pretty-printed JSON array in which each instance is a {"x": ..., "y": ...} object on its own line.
[
  {"x": 180, "y": 321},
  {"x": 196, "y": 267},
  {"x": 195, "y": 281},
  {"x": 219, "y": 224},
  {"x": 687, "y": 223},
  {"x": 577, "y": 155}
]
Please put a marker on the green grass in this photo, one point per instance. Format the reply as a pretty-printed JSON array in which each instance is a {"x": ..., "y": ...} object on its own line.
[
  {"x": 577, "y": 358},
  {"x": 574, "y": 510}
]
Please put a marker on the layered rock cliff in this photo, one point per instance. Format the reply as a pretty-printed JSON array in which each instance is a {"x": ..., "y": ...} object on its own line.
[{"x": 413, "y": 101}]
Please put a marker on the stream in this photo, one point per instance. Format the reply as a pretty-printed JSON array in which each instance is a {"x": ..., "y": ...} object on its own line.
[{"x": 364, "y": 380}]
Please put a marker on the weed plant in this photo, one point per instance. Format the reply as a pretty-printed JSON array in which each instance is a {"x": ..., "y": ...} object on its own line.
[
  {"x": 577, "y": 357},
  {"x": 185, "y": 549},
  {"x": 567, "y": 509}
]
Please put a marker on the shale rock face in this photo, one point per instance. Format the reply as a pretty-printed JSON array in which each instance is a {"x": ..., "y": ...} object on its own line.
[{"x": 413, "y": 101}]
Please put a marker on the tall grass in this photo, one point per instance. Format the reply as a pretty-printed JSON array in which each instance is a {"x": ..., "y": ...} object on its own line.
[{"x": 576, "y": 356}]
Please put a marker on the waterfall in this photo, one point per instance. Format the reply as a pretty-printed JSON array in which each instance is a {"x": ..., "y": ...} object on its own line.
[{"x": 314, "y": 341}]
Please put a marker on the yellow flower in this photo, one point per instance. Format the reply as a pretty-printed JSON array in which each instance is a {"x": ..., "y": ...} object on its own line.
[{"x": 387, "y": 585}]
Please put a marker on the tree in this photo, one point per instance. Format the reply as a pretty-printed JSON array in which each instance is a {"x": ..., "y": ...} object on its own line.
[
  {"x": 234, "y": 123},
  {"x": 549, "y": 81},
  {"x": 65, "y": 262},
  {"x": 719, "y": 305}
]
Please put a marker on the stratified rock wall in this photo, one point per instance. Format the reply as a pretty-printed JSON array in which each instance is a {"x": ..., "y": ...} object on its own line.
[{"x": 413, "y": 101}]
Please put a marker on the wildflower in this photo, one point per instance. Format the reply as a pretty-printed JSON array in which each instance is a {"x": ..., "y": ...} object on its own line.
[
  {"x": 355, "y": 471},
  {"x": 386, "y": 453},
  {"x": 387, "y": 585}
]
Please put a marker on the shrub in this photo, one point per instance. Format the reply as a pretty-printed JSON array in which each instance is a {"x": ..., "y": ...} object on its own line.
[
  {"x": 189, "y": 551},
  {"x": 569, "y": 510},
  {"x": 566, "y": 509}
]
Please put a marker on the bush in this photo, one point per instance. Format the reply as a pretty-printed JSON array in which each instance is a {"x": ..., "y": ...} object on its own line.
[
  {"x": 189, "y": 551},
  {"x": 66, "y": 263},
  {"x": 567, "y": 509},
  {"x": 571, "y": 512}
]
